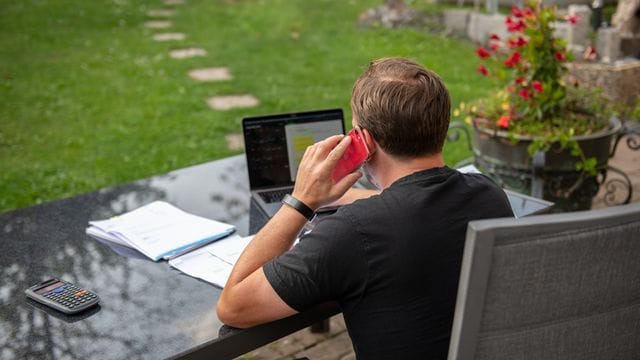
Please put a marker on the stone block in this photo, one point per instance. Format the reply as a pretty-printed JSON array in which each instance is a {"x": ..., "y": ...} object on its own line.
[
  {"x": 481, "y": 25},
  {"x": 160, "y": 13},
  {"x": 561, "y": 30},
  {"x": 229, "y": 102},
  {"x": 630, "y": 46},
  {"x": 619, "y": 81},
  {"x": 169, "y": 37},
  {"x": 608, "y": 45},
  {"x": 456, "y": 21},
  {"x": 210, "y": 74},
  {"x": 187, "y": 53},
  {"x": 578, "y": 32},
  {"x": 158, "y": 24}
]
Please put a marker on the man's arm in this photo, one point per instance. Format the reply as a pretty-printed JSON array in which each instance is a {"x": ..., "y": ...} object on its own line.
[{"x": 248, "y": 298}]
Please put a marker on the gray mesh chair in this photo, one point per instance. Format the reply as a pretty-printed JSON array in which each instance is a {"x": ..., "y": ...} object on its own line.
[{"x": 563, "y": 286}]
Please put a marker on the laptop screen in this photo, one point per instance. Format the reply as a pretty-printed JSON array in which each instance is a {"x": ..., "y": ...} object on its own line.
[{"x": 274, "y": 144}]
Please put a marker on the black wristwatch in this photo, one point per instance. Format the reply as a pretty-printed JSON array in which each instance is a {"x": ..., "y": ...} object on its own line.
[{"x": 301, "y": 207}]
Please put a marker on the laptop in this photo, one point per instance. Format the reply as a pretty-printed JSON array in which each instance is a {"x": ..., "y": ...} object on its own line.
[{"x": 274, "y": 147}]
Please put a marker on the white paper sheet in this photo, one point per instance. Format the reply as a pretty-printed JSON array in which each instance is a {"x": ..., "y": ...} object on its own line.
[
  {"x": 159, "y": 230},
  {"x": 213, "y": 263}
]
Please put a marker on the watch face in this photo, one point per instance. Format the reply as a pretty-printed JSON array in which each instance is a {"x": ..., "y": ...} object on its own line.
[{"x": 356, "y": 154}]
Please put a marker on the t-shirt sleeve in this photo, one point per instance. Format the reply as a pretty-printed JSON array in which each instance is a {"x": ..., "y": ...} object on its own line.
[{"x": 328, "y": 264}]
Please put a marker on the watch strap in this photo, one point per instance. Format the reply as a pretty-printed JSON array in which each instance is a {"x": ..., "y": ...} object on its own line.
[{"x": 301, "y": 207}]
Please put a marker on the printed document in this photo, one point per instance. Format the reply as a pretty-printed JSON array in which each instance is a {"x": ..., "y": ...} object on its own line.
[
  {"x": 213, "y": 263},
  {"x": 159, "y": 230}
]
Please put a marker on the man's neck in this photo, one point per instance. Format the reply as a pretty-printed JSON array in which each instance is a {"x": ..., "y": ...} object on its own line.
[{"x": 394, "y": 168}]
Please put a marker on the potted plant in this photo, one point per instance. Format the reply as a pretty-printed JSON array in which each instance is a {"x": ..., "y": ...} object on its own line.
[{"x": 540, "y": 132}]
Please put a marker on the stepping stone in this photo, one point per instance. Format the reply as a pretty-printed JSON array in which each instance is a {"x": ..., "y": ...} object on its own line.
[
  {"x": 158, "y": 24},
  {"x": 174, "y": 2},
  {"x": 210, "y": 74},
  {"x": 169, "y": 37},
  {"x": 187, "y": 53},
  {"x": 232, "y": 102},
  {"x": 235, "y": 141},
  {"x": 161, "y": 13}
]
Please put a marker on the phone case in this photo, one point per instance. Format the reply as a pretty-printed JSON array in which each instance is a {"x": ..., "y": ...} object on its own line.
[{"x": 356, "y": 154}]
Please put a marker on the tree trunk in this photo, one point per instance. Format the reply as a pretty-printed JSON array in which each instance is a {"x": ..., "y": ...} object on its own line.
[{"x": 627, "y": 18}]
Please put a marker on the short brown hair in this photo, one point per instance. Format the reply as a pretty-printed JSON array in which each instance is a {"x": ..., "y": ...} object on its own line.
[{"x": 404, "y": 106}]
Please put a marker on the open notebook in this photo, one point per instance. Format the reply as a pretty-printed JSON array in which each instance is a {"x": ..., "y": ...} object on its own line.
[{"x": 159, "y": 230}]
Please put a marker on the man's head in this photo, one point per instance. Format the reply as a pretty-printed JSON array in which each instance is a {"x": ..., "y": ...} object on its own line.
[{"x": 404, "y": 106}]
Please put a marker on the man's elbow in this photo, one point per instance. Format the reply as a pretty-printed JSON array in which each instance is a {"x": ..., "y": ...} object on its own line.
[{"x": 229, "y": 314}]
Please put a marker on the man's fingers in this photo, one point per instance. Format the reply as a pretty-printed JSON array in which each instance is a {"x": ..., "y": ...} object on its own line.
[
  {"x": 337, "y": 152},
  {"x": 347, "y": 182}
]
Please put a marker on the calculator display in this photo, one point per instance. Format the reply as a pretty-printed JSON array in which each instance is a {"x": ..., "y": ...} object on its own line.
[
  {"x": 63, "y": 296},
  {"x": 50, "y": 287}
]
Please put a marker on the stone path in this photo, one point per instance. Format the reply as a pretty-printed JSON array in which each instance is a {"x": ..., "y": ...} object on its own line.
[
  {"x": 210, "y": 74},
  {"x": 187, "y": 53},
  {"x": 163, "y": 13},
  {"x": 222, "y": 102},
  {"x": 235, "y": 141},
  {"x": 158, "y": 24},
  {"x": 169, "y": 36},
  {"x": 228, "y": 102}
]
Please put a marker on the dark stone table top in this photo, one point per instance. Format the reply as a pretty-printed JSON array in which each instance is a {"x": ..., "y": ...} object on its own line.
[{"x": 148, "y": 309}]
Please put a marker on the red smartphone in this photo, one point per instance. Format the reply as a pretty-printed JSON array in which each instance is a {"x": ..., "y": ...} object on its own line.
[{"x": 353, "y": 157}]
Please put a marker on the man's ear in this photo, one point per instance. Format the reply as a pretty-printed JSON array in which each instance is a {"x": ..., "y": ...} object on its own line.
[{"x": 371, "y": 143}]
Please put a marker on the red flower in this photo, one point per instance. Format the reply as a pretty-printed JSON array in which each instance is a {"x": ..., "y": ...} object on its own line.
[
  {"x": 513, "y": 42},
  {"x": 537, "y": 86},
  {"x": 482, "y": 53},
  {"x": 572, "y": 19},
  {"x": 590, "y": 53},
  {"x": 523, "y": 93},
  {"x": 560, "y": 56},
  {"x": 503, "y": 122},
  {"x": 519, "y": 80},
  {"x": 516, "y": 12},
  {"x": 513, "y": 59},
  {"x": 494, "y": 36},
  {"x": 494, "y": 45},
  {"x": 483, "y": 70},
  {"x": 514, "y": 26},
  {"x": 527, "y": 12}
]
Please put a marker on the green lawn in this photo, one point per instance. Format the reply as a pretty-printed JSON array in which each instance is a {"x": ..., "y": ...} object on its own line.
[{"x": 89, "y": 100}]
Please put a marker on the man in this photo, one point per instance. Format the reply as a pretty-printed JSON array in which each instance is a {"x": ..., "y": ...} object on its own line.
[{"x": 391, "y": 260}]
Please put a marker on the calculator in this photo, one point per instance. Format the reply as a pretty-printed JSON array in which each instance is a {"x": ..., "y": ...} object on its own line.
[{"x": 63, "y": 296}]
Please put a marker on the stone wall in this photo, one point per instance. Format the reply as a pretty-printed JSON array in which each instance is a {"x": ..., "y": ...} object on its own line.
[
  {"x": 619, "y": 81},
  {"x": 617, "y": 76}
]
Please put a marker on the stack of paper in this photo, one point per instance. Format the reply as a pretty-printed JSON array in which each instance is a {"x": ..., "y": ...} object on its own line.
[
  {"x": 213, "y": 263},
  {"x": 159, "y": 230}
]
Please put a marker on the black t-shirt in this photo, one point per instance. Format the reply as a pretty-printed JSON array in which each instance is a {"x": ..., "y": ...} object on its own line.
[{"x": 392, "y": 262}]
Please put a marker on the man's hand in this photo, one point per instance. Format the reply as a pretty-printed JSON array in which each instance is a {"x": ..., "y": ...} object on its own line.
[{"x": 314, "y": 185}]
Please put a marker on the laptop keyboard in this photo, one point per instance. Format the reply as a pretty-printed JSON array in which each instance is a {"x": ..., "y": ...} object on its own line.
[{"x": 274, "y": 195}]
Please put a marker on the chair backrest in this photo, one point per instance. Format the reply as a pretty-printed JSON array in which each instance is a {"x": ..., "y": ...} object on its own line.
[{"x": 562, "y": 286}]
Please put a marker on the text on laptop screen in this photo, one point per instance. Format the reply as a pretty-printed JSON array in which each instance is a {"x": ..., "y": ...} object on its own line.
[{"x": 275, "y": 144}]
